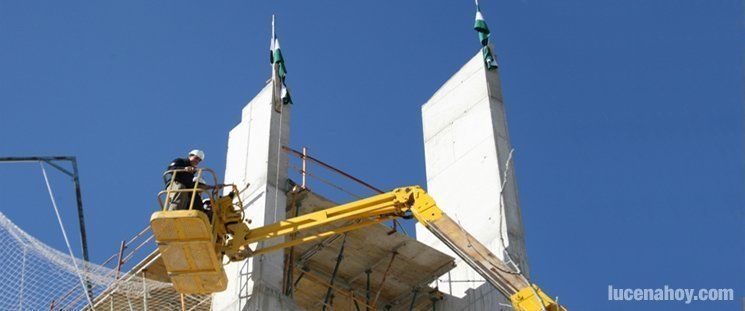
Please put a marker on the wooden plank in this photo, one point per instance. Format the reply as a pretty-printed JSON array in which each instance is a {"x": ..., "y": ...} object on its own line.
[{"x": 476, "y": 255}]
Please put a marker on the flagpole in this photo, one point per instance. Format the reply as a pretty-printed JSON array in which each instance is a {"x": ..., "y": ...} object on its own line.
[
  {"x": 272, "y": 42},
  {"x": 276, "y": 88}
]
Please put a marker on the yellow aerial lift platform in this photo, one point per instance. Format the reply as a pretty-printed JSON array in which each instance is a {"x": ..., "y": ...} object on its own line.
[{"x": 192, "y": 245}]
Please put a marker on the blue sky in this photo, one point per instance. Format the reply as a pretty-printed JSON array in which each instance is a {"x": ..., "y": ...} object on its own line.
[{"x": 626, "y": 116}]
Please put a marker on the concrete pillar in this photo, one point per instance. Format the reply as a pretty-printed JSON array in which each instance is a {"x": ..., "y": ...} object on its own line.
[
  {"x": 254, "y": 158},
  {"x": 466, "y": 147}
]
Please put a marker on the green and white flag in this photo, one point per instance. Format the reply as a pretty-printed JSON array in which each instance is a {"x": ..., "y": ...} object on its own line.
[
  {"x": 276, "y": 58},
  {"x": 480, "y": 26},
  {"x": 279, "y": 70}
]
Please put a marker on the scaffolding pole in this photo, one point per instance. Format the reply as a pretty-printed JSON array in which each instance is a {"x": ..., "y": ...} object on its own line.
[{"x": 333, "y": 275}]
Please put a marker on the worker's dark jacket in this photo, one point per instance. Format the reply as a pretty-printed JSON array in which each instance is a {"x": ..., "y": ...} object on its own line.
[{"x": 185, "y": 178}]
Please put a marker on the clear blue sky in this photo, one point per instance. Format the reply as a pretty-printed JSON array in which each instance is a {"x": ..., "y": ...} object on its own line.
[{"x": 626, "y": 116}]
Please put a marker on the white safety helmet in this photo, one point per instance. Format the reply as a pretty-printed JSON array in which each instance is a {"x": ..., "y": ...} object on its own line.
[{"x": 198, "y": 153}]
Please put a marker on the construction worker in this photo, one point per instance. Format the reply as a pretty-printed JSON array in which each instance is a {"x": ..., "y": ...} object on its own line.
[{"x": 185, "y": 179}]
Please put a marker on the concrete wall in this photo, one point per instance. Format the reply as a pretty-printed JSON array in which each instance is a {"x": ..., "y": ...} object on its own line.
[
  {"x": 466, "y": 146},
  {"x": 254, "y": 158}
]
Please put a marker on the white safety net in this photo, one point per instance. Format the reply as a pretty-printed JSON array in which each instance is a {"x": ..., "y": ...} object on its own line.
[{"x": 34, "y": 276}]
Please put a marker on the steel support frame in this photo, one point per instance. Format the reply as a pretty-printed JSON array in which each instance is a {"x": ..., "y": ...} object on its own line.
[{"x": 76, "y": 181}]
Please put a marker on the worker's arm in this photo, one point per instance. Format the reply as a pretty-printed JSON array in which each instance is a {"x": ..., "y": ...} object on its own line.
[
  {"x": 180, "y": 163},
  {"x": 209, "y": 187},
  {"x": 184, "y": 177}
]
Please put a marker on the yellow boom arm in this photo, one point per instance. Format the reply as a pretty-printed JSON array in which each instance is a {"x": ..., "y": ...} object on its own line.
[{"x": 232, "y": 239}]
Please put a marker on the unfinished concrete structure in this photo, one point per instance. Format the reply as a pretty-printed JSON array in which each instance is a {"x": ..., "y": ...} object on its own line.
[
  {"x": 377, "y": 269},
  {"x": 467, "y": 147},
  {"x": 255, "y": 160}
]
